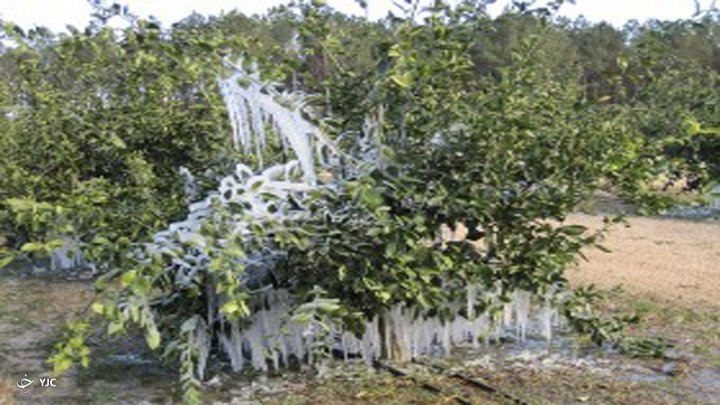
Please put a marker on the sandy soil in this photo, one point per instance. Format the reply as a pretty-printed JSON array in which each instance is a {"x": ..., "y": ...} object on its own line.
[{"x": 674, "y": 259}]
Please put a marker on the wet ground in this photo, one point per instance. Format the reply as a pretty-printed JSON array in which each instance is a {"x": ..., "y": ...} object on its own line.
[
  {"x": 568, "y": 370},
  {"x": 32, "y": 312}
]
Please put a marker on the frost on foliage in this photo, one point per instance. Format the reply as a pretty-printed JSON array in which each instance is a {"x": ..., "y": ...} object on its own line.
[{"x": 272, "y": 193}]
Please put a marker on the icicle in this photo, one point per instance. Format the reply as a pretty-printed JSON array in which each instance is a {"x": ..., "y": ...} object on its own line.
[
  {"x": 507, "y": 315},
  {"x": 68, "y": 256},
  {"x": 367, "y": 345},
  {"x": 471, "y": 300},
  {"x": 309, "y": 341},
  {"x": 522, "y": 309},
  {"x": 404, "y": 333},
  {"x": 252, "y": 106},
  {"x": 546, "y": 315},
  {"x": 481, "y": 327},
  {"x": 256, "y": 343},
  {"x": 296, "y": 339},
  {"x": 388, "y": 337},
  {"x": 202, "y": 340},
  {"x": 446, "y": 342},
  {"x": 233, "y": 346}
]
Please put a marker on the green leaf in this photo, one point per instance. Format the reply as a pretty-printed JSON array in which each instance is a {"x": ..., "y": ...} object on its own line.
[
  {"x": 100, "y": 240},
  {"x": 117, "y": 142},
  {"x": 55, "y": 244},
  {"x": 98, "y": 308},
  {"x": 153, "y": 338},
  {"x": 404, "y": 80},
  {"x": 573, "y": 230},
  {"x": 235, "y": 307},
  {"x": 61, "y": 364},
  {"x": 32, "y": 247},
  {"x": 189, "y": 325},
  {"x": 76, "y": 342},
  {"x": 302, "y": 318},
  {"x": 128, "y": 277},
  {"x": 5, "y": 261},
  {"x": 135, "y": 313},
  {"x": 114, "y": 327},
  {"x": 709, "y": 131},
  {"x": 342, "y": 272}
]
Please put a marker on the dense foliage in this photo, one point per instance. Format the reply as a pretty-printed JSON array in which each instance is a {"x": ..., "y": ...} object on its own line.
[
  {"x": 502, "y": 125},
  {"x": 96, "y": 127}
]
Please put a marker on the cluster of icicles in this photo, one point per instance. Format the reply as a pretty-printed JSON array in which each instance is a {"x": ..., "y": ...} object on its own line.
[{"x": 270, "y": 338}]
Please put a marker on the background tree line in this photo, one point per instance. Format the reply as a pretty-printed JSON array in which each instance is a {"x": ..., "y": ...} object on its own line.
[{"x": 97, "y": 122}]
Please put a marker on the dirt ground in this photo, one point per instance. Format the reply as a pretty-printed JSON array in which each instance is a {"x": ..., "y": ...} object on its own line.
[{"x": 672, "y": 258}]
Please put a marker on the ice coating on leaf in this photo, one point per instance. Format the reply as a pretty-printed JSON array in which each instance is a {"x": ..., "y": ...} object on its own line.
[{"x": 522, "y": 311}]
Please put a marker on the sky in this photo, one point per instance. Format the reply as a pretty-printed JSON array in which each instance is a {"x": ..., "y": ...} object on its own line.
[{"x": 56, "y": 14}]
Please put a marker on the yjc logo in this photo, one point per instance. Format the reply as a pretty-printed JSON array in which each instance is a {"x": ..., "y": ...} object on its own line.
[{"x": 25, "y": 382}]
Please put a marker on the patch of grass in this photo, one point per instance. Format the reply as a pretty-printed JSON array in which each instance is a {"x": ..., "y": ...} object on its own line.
[
  {"x": 643, "y": 307},
  {"x": 103, "y": 396},
  {"x": 700, "y": 350}
]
